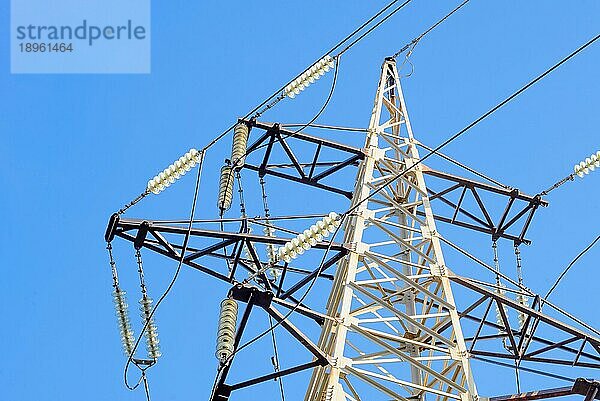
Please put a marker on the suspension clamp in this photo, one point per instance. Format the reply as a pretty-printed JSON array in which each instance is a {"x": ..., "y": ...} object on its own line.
[
  {"x": 138, "y": 243},
  {"x": 111, "y": 229},
  {"x": 244, "y": 293}
]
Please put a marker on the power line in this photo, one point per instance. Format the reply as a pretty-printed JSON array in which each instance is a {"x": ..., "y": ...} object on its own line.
[
  {"x": 439, "y": 147},
  {"x": 537, "y": 372},
  {"x": 587, "y": 248},
  {"x": 302, "y": 298},
  {"x": 276, "y": 359},
  {"x": 465, "y": 167},
  {"x": 329, "y": 127},
  {"x": 278, "y": 94},
  {"x": 173, "y": 280},
  {"x": 416, "y": 40},
  {"x": 400, "y": 7},
  {"x": 312, "y": 120},
  {"x": 478, "y": 120},
  {"x": 333, "y": 49}
]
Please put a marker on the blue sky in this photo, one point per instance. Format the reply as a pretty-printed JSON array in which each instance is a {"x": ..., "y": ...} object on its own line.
[{"x": 77, "y": 147}]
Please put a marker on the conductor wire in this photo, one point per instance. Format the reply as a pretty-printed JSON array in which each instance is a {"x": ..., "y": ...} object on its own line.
[
  {"x": 564, "y": 273},
  {"x": 395, "y": 177},
  {"x": 477, "y": 121},
  {"x": 173, "y": 280},
  {"x": 413, "y": 43},
  {"x": 316, "y": 116},
  {"x": 277, "y": 95}
]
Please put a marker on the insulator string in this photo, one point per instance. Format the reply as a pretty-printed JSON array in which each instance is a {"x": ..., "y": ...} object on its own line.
[
  {"x": 151, "y": 332},
  {"x": 307, "y": 78},
  {"x": 309, "y": 238},
  {"x": 268, "y": 230},
  {"x": 226, "y": 330},
  {"x": 121, "y": 307},
  {"x": 580, "y": 170},
  {"x": 304, "y": 241},
  {"x": 239, "y": 145},
  {"x": 225, "y": 189},
  {"x": 500, "y": 291},
  {"x": 522, "y": 299},
  {"x": 175, "y": 171},
  {"x": 173, "y": 280}
]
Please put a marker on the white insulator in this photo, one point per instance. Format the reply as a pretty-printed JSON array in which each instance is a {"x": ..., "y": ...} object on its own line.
[
  {"x": 304, "y": 241},
  {"x": 122, "y": 312},
  {"x": 270, "y": 232},
  {"x": 316, "y": 233},
  {"x": 226, "y": 330},
  {"x": 336, "y": 219},
  {"x": 246, "y": 248},
  {"x": 271, "y": 252},
  {"x": 168, "y": 176},
  {"x": 151, "y": 333},
  {"x": 239, "y": 147},
  {"x": 587, "y": 165},
  {"x": 312, "y": 74},
  {"x": 499, "y": 320},
  {"x": 225, "y": 188},
  {"x": 323, "y": 228},
  {"x": 297, "y": 246},
  {"x": 312, "y": 241},
  {"x": 523, "y": 300},
  {"x": 309, "y": 238}
]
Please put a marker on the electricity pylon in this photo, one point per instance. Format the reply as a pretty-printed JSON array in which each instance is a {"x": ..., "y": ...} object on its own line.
[
  {"x": 395, "y": 260},
  {"x": 392, "y": 328}
]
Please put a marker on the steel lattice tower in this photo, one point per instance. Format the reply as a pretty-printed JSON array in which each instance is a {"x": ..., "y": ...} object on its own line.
[
  {"x": 395, "y": 272},
  {"x": 392, "y": 327}
]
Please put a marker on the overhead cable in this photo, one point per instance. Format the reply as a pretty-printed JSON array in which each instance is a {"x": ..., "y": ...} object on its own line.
[
  {"x": 439, "y": 147},
  {"x": 477, "y": 121},
  {"x": 175, "y": 276},
  {"x": 562, "y": 275},
  {"x": 581, "y": 169},
  {"x": 279, "y": 91},
  {"x": 279, "y": 94},
  {"x": 416, "y": 40}
]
